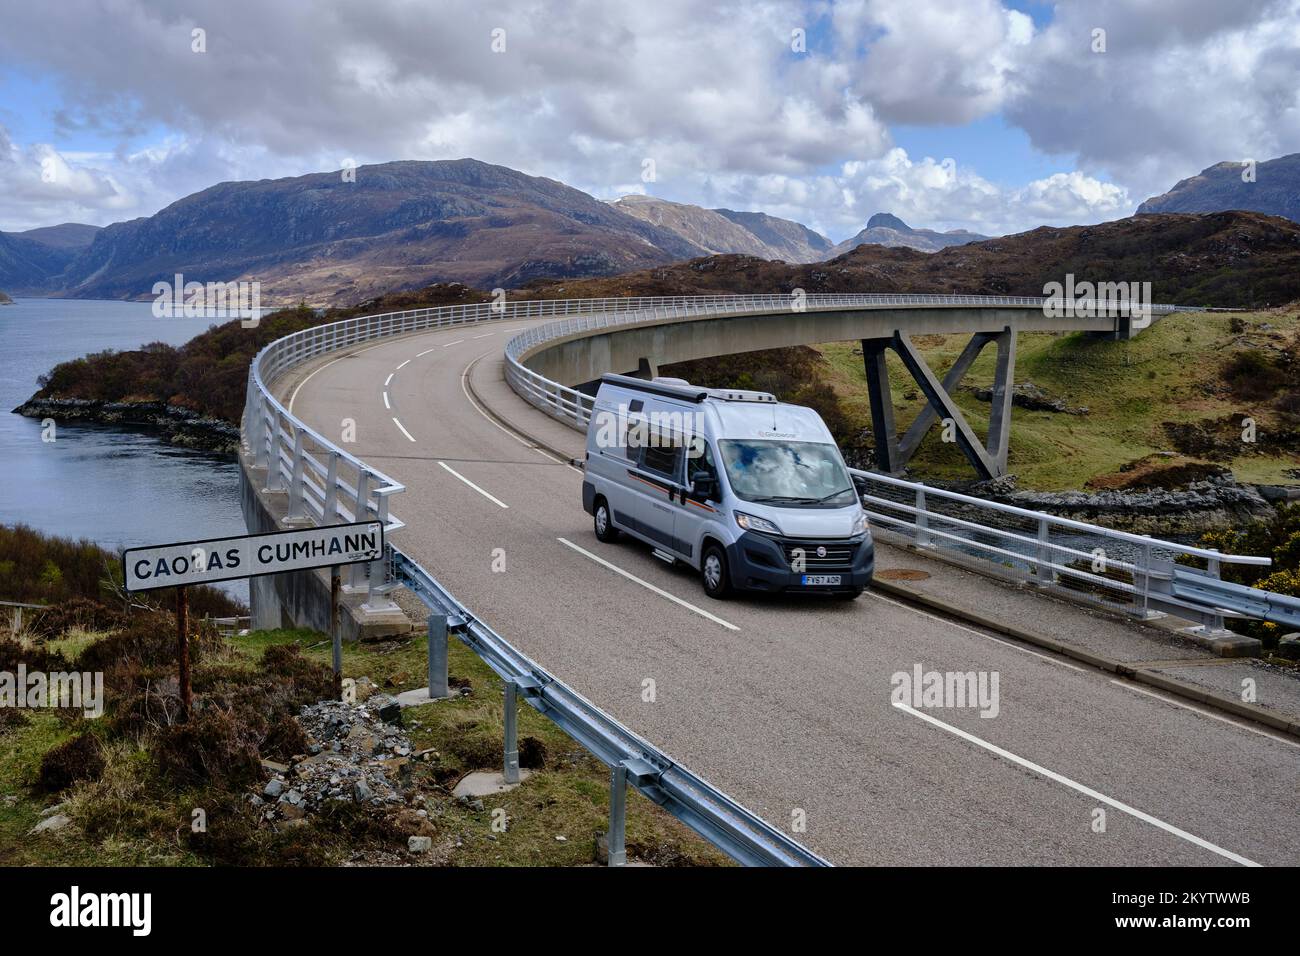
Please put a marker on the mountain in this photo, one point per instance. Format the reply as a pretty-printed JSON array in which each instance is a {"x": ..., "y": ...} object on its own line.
[
  {"x": 28, "y": 266},
  {"x": 885, "y": 229},
  {"x": 713, "y": 231},
  {"x": 5, "y": 300},
  {"x": 67, "y": 235},
  {"x": 399, "y": 225},
  {"x": 1275, "y": 191},
  {"x": 1238, "y": 259},
  {"x": 792, "y": 241}
]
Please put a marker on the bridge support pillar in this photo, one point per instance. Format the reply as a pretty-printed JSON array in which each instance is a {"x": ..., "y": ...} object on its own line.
[{"x": 892, "y": 454}]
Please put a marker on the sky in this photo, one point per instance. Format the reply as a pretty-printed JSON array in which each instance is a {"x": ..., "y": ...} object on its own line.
[{"x": 991, "y": 116}]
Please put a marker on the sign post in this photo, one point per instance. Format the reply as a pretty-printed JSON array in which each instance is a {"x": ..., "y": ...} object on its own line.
[
  {"x": 336, "y": 583},
  {"x": 249, "y": 556},
  {"x": 183, "y": 649}
]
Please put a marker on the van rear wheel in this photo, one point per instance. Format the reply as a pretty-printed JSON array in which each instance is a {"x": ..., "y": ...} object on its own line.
[
  {"x": 604, "y": 524},
  {"x": 713, "y": 568}
]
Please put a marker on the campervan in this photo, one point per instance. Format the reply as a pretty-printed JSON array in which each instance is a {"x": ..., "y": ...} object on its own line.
[{"x": 751, "y": 492}]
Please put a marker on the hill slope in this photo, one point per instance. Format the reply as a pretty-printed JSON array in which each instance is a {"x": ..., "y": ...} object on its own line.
[
  {"x": 1236, "y": 259},
  {"x": 1275, "y": 191},
  {"x": 399, "y": 225},
  {"x": 722, "y": 231}
]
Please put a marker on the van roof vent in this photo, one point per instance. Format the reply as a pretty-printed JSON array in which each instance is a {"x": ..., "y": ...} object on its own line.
[{"x": 741, "y": 395}]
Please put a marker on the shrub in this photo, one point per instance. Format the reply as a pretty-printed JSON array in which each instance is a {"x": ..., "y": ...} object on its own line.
[
  {"x": 81, "y": 758},
  {"x": 213, "y": 747}
]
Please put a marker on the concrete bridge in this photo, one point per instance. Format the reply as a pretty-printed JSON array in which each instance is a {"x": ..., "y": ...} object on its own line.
[
  {"x": 577, "y": 356},
  {"x": 784, "y": 704}
]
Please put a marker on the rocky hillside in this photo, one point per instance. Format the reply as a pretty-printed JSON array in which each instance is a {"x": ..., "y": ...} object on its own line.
[
  {"x": 326, "y": 240},
  {"x": 66, "y": 235},
  {"x": 721, "y": 231},
  {"x": 886, "y": 229},
  {"x": 1240, "y": 259},
  {"x": 5, "y": 300},
  {"x": 1275, "y": 190}
]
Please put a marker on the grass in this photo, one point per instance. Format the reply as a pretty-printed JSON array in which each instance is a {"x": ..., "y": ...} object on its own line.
[
  {"x": 568, "y": 798},
  {"x": 1170, "y": 372},
  {"x": 133, "y": 816}
]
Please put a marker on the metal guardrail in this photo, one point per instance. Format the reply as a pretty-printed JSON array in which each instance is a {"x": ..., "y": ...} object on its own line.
[
  {"x": 1135, "y": 574},
  {"x": 325, "y": 484},
  {"x": 736, "y": 831}
]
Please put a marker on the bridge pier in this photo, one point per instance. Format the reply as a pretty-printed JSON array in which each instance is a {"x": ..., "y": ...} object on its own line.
[{"x": 892, "y": 454}]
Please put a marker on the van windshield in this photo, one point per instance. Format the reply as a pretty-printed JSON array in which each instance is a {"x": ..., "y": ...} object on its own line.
[{"x": 794, "y": 473}]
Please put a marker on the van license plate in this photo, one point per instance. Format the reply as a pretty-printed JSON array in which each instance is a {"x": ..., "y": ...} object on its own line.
[{"x": 815, "y": 579}]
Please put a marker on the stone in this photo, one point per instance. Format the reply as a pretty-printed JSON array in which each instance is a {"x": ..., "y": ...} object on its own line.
[
  {"x": 273, "y": 789},
  {"x": 52, "y": 823},
  {"x": 419, "y": 844},
  {"x": 272, "y": 767},
  {"x": 361, "y": 791},
  {"x": 365, "y": 689},
  {"x": 388, "y": 709},
  {"x": 1288, "y": 646}
]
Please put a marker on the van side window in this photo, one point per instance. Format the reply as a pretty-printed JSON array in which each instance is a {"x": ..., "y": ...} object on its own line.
[
  {"x": 662, "y": 460},
  {"x": 704, "y": 463}
]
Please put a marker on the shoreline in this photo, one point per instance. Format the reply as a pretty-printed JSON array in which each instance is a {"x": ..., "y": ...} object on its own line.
[{"x": 179, "y": 426}]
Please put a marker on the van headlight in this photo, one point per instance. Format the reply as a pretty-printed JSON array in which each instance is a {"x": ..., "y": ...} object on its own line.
[
  {"x": 859, "y": 524},
  {"x": 753, "y": 523}
]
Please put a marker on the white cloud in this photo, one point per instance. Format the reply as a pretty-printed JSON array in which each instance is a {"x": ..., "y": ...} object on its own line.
[{"x": 711, "y": 91}]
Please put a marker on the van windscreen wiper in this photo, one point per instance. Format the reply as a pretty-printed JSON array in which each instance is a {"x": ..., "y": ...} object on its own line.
[
  {"x": 834, "y": 494},
  {"x": 762, "y": 498}
]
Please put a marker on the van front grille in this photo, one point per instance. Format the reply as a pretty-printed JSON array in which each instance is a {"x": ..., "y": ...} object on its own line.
[{"x": 838, "y": 555}]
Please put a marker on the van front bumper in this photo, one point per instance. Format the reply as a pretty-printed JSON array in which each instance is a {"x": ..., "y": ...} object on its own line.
[{"x": 764, "y": 562}]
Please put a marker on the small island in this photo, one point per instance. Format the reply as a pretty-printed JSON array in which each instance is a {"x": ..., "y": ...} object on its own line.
[{"x": 5, "y": 300}]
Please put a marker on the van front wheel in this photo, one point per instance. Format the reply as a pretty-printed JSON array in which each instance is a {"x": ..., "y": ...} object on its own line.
[
  {"x": 717, "y": 579},
  {"x": 605, "y": 530}
]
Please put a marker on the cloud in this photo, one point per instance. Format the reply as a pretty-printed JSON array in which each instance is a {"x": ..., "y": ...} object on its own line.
[{"x": 712, "y": 92}]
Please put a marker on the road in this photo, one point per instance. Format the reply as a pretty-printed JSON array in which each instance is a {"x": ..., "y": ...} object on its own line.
[{"x": 786, "y": 704}]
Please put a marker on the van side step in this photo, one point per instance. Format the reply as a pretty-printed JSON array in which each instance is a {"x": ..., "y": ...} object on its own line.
[{"x": 664, "y": 556}]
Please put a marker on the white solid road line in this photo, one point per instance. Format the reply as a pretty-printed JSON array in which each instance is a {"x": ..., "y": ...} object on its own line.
[
  {"x": 404, "y": 431},
  {"x": 1074, "y": 785},
  {"x": 987, "y": 637},
  {"x": 1203, "y": 712},
  {"x": 646, "y": 584},
  {"x": 464, "y": 387},
  {"x": 386, "y": 405},
  {"x": 474, "y": 486}
]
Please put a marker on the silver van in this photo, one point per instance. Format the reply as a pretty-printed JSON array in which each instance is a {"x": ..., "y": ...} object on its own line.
[{"x": 750, "y": 491}]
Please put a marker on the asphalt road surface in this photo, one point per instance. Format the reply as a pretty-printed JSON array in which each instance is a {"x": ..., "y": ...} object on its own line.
[{"x": 785, "y": 704}]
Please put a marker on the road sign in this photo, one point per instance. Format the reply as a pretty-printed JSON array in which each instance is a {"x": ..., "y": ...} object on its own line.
[{"x": 250, "y": 556}]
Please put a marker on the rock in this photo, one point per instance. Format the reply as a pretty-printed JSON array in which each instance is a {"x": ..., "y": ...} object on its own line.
[
  {"x": 273, "y": 789},
  {"x": 1288, "y": 646},
  {"x": 271, "y": 767},
  {"x": 292, "y": 811},
  {"x": 361, "y": 791},
  {"x": 294, "y": 797},
  {"x": 50, "y": 811},
  {"x": 365, "y": 689},
  {"x": 419, "y": 844},
  {"x": 51, "y": 824},
  {"x": 602, "y": 849},
  {"x": 388, "y": 709}
]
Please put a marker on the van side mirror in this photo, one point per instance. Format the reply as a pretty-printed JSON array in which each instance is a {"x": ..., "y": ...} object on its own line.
[{"x": 703, "y": 485}]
